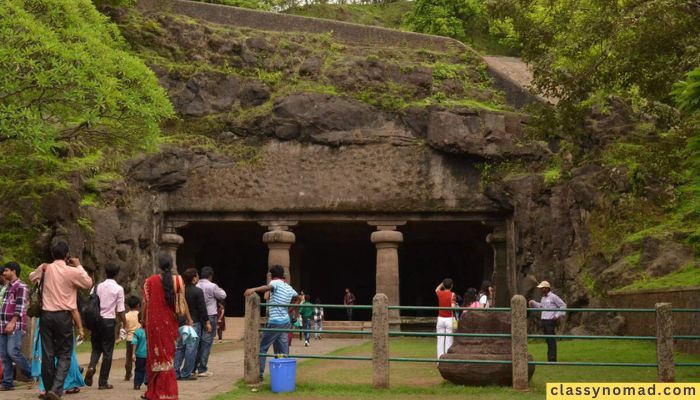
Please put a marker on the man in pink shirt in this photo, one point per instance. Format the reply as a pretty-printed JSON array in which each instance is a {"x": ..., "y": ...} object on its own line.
[
  {"x": 61, "y": 283},
  {"x": 111, "y": 296}
]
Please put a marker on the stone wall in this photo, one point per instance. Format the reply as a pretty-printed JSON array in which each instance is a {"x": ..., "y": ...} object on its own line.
[
  {"x": 342, "y": 31},
  {"x": 644, "y": 323},
  {"x": 354, "y": 34},
  {"x": 294, "y": 176}
]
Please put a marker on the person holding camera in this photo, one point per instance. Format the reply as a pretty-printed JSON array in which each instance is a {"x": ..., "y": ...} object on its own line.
[{"x": 62, "y": 278}]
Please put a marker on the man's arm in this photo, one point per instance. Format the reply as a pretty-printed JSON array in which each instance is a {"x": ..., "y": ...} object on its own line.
[
  {"x": 79, "y": 277},
  {"x": 438, "y": 288},
  {"x": 120, "y": 307},
  {"x": 219, "y": 293},
  {"x": 36, "y": 275},
  {"x": 534, "y": 304},
  {"x": 259, "y": 289}
]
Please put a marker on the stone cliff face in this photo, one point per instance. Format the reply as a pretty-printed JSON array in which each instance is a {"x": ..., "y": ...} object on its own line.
[{"x": 297, "y": 122}]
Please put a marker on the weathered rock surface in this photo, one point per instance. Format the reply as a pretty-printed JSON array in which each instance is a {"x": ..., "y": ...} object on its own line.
[{"x": 481, "y": 348}]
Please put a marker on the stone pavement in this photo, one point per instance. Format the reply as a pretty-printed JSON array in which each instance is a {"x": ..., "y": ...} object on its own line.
[{"x": 226, "y": 362}]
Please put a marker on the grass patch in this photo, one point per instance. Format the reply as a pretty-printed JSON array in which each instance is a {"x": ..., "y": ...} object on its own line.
[
  {"x": 352, "y": 379},
  {"x": 552, "y": 176},
  {"x": 689, "y": 276}
]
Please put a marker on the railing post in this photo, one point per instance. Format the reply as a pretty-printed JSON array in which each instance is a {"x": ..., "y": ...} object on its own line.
[
  {"x": 518, "y": 331},
  {"x": 251, "y": 358},
  {"x": 664, "y": 342},
  {"x": 380, "y": 341}
]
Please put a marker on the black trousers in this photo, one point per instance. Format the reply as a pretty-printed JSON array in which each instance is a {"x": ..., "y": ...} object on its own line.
[
  {"x": 548, "y": 326},
  {"x": 56, "y": 330},
  {"x": 103, "y": 345}
]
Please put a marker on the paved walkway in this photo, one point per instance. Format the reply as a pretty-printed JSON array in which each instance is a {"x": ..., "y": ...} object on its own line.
[{"x": 226, "y": 362}]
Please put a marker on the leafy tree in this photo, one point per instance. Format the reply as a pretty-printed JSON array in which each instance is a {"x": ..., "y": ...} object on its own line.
[
  {"x": 453, "y": 18},
  {"x": 580, "y": 47},
  {"x": 71, "y": 94},
  {"x": 687, "y": 92}
]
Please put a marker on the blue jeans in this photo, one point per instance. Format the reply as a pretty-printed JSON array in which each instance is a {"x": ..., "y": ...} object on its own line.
[
  {"x": 205, "y": 345},
  {"x": 187, "y": 353},
  {"x": 278, "y": 341},
  {"x": 10, "y": 352},
  {"x": 140, "y": 373}
]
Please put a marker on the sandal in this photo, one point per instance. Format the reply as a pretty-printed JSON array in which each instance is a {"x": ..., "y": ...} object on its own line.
[{"x": 72, "y": 391}]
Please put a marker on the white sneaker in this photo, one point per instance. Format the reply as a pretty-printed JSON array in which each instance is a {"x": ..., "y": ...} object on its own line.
[
  {"x": 306, "y": 344},
  {"x": 206, "y": 374}
]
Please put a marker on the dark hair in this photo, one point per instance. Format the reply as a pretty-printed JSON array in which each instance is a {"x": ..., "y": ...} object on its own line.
[
  {"x": 307, "y": 298},
  {"x": 13, "y": 266},
  {"x": 447, "y": 283},
  {"x": 133, "y": 301},
  {"x": 165, "y": 263},
  {"x": 277, "y": 271},
  {"x": 317, "y": 301},
  {"x": 112, "y": 270},
  {"x": 206, "y": 273},
  {"x": 485, "y": 287},
  {"x": 59, "y": 251},
  {"x": 189, "y": 275},
  {"x": 469, "y": 297}
]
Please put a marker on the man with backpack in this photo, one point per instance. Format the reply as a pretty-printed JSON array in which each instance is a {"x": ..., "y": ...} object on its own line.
[
  {"x": 111, "y": 297},
  {"x": 61, "y": 281}
]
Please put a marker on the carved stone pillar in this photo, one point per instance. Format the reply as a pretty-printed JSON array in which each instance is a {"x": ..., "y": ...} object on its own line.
[
  {"x": 387, "y": 240},
  {"x": 500, "y": 281},
  {"x": 279, "y": 240},
  {"x": 169, "y": 242}
]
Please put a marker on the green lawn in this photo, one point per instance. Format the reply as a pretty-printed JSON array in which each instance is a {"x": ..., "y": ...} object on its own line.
[{"x": 352, "y": 379}]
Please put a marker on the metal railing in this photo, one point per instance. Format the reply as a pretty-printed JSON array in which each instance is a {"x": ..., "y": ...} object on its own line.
[{"x": 518, "y": 336}]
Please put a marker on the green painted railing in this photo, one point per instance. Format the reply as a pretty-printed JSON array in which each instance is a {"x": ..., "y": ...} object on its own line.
[{"x": 492, "y": 335}]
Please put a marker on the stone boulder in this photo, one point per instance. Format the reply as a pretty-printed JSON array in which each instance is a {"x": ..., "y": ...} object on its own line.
[
  {"x": 486, "y": 135},
  {"x": 481, "y": 348}
]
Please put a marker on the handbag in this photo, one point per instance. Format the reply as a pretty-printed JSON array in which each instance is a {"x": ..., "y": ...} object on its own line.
[
  {"x": 455, "y": 324},
  {"x": 35, "y": 298}
]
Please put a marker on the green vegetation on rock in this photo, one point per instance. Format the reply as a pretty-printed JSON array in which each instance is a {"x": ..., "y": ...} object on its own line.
[{"x": 74, "y": 99}]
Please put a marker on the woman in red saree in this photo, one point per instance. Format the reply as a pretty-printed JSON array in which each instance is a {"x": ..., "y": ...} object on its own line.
[{"x": 161, "y": 332}]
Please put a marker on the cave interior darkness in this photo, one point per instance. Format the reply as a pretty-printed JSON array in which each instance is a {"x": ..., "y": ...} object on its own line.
[{"x": 330, "y": 256}]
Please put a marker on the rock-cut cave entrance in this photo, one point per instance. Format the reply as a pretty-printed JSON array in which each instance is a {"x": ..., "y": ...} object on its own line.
[{"x": 329, "y": 256}]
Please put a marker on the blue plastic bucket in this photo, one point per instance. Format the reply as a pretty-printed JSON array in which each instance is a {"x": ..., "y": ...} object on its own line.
[{"x": 283, "y": 374}]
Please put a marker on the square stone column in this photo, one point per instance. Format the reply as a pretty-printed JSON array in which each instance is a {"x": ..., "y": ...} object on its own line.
[
  {"x": 169, "y": 242},
  {"x": 387, "y": 240},
  {"x": 279, "y": 241},
  {"x": 497, "y": 240}
]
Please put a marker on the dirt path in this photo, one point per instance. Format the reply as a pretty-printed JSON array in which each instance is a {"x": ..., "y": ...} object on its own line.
[
  {"x": 226, "y": 362},
  {"x": 515, "y": 69}
]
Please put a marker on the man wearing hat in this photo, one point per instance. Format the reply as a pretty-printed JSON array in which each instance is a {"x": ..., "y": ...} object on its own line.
[{"x": 549, "y": 318}]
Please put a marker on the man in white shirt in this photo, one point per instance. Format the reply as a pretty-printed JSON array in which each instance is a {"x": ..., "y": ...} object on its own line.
[
  {"x": 111, "y": 296},
  {"x": 549, "y": 318},
  {"x": 212, "y": 294}
]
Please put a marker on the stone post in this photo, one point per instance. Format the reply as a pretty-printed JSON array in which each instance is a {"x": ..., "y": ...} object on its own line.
[
  {"x": 169, "y": 242},
  {"x": 251, "y": 358},
  {"x": 387, "y": 240},
  {"x": 518, "y": 331},
  {"x": 664, "y": 343},
  {"x": 279, "y": 240},
  {"x": 497, "y": 240},
  {"x": 380, "y": 341}
]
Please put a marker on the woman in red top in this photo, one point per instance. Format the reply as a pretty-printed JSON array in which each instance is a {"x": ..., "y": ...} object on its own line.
[
  {"x": 444, "y": 322},
  {"x": 161, "y": 332}
]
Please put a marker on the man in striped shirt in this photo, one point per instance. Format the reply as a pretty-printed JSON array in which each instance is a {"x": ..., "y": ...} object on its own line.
[{"x": 278, "y": 317}]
